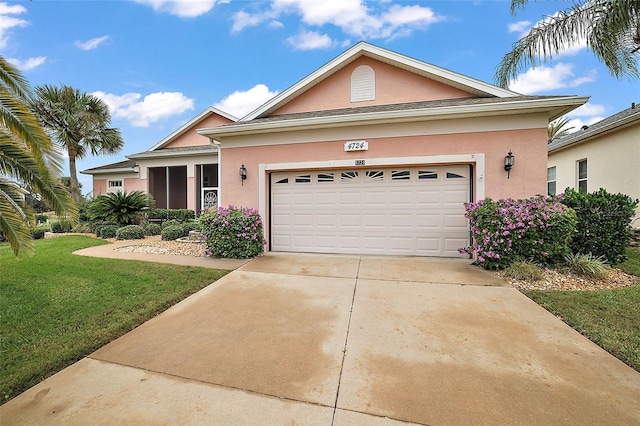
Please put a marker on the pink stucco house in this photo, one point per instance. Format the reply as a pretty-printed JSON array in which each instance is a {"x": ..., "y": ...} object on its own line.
[
  {"x": 180, "y": 171},
  {"x": 376, "y": 153}
]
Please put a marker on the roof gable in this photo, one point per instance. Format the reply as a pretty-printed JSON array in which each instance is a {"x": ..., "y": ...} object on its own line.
[
  {"x": 193, "y": 124},
  {"x": 458, "y": 81}
]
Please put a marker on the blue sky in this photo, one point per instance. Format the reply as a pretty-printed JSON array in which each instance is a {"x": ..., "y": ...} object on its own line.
[{"x": 159, "y": 63}]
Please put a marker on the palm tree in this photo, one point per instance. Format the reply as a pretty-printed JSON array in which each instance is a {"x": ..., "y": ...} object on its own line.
[
  {"x": 611, "y": 29},
  {"x": 558, "y": 129},
  {"x": 79, "y": 123},
  {"x": 27, "y": 156}
]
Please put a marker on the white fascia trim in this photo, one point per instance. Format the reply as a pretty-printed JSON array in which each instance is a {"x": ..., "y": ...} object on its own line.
[
  {"x": 161, "y": 154},
  {"x": 382, "y": 117},
  {"x": 475, "y": 158},
  {"x": 189, "y": 124},
  {"x": 111, "y": 171},
  {"x": 473, "y": 85}
]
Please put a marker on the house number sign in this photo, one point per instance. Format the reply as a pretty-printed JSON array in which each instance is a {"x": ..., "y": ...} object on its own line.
[{"x": 356, "y": 146}]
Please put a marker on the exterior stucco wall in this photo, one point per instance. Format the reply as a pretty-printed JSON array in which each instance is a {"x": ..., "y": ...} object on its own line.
[
  {"x": 191, "y": 138},
  {"x": 613, "y": 163},
  {"x": 393, "y": 86},
  {"x": 528, "y": 177},
  {"x": 99, "y": 186},
  {"x": 130, "y": 182}
]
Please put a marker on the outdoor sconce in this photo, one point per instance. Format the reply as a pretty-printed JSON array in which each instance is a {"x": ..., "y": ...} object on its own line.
[
  {"x": 243, "y": 173},
  {"x": 508, "y": 163}
]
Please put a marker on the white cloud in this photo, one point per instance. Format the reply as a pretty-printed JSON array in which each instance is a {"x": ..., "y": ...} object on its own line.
[
  {"x": 353, "y": 17},
  {"x": 183, "y": 8},
  {"x": 91, "y": 44},
  {"x": 578, "y": 123},
  {"x": 29, "y": 64},
  {"x": 241, "y": 103},
  {"x": 543, "y": 78},
  {"x": 309, "y": 40},
  {"x": 589, "y": 109},
  {"x": 520, "y": 27},
  {"x": 7, "y": 21},
  {"x": 141, "y": 112}
]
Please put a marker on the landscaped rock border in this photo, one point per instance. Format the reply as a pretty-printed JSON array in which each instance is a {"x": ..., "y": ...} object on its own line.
[{"x": 554, "y": 280}]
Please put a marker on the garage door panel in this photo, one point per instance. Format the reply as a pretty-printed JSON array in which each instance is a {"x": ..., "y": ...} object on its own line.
[{"x": 400, "y": 211}]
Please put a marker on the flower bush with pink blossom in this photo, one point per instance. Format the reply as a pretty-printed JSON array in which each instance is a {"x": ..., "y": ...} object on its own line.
[
  {"x": 232, "y": 232},
  {"x": 538, "y": 229}
]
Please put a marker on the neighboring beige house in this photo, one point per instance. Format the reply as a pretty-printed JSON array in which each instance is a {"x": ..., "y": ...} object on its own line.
[
  {"x": 376, "y": 153},
  {"x": 603, "y": 155},
  {"x": 180, "y": 171}
]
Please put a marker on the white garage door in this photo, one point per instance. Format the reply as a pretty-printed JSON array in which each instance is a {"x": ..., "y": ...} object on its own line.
[{"x": 397, "y": 211}]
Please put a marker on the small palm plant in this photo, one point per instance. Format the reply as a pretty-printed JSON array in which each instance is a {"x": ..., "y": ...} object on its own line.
[{"x": 121, "y": 207}]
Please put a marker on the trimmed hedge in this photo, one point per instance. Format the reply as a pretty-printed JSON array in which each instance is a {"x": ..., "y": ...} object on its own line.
[
  {"x": 151, "y": 229},
  {"x": 107, "y": 231},
  {"x": 60, "y": 227},
  {"x": 38, "y": 233},
  {"x": 130, "y": 232},
  {"x": 172, "y": 232},
  {"x": 604, "y": 220},
  {"x": 180, "y": 215}
]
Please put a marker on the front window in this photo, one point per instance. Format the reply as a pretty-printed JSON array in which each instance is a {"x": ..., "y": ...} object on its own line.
[
  {"x": 114, "y": 186},
  {"x": 582, "y": 175},
  {"x": 551, "y": 181}
]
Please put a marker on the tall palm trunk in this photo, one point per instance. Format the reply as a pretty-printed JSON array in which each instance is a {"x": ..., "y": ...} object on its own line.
[{"x": 73, "y": 177}]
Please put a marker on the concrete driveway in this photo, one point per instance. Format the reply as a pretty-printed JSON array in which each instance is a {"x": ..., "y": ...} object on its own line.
[{"x": 293, "y": 339}]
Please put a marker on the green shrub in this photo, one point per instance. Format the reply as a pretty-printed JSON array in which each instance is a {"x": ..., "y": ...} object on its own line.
[
  {"x": 524, "y": 270},
  {"x": 94, "y": 225},
  {"x": 130, "y": 232},
  {"x": 588, "y": 265},
  {"x": 42, "y": 218},
  {"x": 180, "y": 215},
  {"x": 38, "y": 233},
  {"x": 233, "y": 232},
  {"x": 190, "y": 225},
  {"x": 120, "y": 207},
  {"x": 603, "y": 223},
  {"x": 60, "y": 227},
  {"x": 151, "y": 228},
  {"x": 172, "y": 232},
  {"x": 171, "y": 222},
  {"x": 505, "y": 231},
  {"x": 107, "y": 231},
  {"x": 83, "y": 228}
]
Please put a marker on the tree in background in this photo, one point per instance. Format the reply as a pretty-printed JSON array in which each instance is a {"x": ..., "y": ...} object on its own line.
[
  {"x": 79, "y": 123},
  {"x": 611, "y": 29},
  {"x": 28, "y": 156},
  {"x": 558, "y": 129}
]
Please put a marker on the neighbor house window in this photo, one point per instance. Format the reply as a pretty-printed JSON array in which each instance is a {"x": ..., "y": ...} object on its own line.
[
  {"x": 363, "y": 84},
  {"x": 551, "y": 181},
  {"x": 582, "y": 175},
  {"x": 114, "y": 186}
]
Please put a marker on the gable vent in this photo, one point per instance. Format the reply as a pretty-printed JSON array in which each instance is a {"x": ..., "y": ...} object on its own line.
[{"x": 363, "y": 84}]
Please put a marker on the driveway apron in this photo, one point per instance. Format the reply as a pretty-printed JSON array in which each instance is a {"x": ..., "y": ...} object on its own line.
[{"x": 343, "y": 340}]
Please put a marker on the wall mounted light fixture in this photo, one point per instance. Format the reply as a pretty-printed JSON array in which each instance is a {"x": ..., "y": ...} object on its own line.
[
  {"x": 243, "y": 173},
  {"x": 509, "y": 161}
]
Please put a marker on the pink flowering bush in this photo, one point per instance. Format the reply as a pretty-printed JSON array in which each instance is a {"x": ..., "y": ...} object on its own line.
[
  {"x": 232, "y": 232},
  {"x": 538, "y": 229}
]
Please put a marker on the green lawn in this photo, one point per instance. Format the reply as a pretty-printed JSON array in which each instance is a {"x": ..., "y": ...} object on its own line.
[
  {"x": 56, "y": 308},
  {"x": 610, "y": 318}
]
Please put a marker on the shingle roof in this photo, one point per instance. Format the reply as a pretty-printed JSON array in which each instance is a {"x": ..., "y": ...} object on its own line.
[
  {"x": 113, "y": 166},
  {"x": 612, "y": 122},
  {"x": 388, "y": 107}
]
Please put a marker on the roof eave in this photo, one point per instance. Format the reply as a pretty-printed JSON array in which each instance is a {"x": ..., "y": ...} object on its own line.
[
  {"x": 595, "y": 133},
  {"x": 161, "y": 154},
  {"x": 555, "y": 107},
  {"x": 110, "y": 171}
]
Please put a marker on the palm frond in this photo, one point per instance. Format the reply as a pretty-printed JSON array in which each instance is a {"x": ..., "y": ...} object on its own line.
[
  {"x": 608, "y": 27},
  {"x": 14, "y": 220}
]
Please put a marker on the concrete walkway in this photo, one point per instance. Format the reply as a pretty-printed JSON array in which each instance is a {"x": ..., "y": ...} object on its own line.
[{"x": 343, "y": 340}]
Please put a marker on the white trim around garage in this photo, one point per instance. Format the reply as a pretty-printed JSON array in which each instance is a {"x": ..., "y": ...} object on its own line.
[{"x": 478, "y": 160}]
